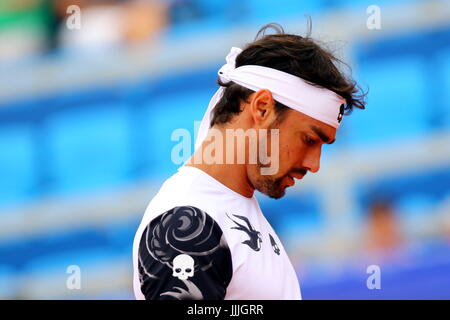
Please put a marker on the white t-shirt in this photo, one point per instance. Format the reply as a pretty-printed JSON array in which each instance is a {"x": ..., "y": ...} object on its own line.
[{"x": 199, "y": 239}]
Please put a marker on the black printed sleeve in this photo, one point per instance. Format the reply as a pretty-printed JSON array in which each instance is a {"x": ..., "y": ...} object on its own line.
[{"x": 183, "y": 255}]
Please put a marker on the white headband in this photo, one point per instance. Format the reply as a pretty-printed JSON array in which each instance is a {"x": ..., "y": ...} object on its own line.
[{"x": 294, "y": 92}]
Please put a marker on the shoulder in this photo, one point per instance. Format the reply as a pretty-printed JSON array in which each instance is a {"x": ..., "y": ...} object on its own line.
[
  {"x": 187, "y": 229},
  {"x": 185, "y": 248}
]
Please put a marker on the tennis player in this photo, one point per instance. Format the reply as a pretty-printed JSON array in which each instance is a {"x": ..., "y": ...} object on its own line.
[{"x": 204, "y": 236}]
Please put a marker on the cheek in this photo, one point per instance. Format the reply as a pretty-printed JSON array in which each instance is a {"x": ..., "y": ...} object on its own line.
[
  {"x": 290, "y": 151},
  {"x": 287, "y": 157},
  {"x": 285, "y": 146},
  {"x": 293, "y": 154}
]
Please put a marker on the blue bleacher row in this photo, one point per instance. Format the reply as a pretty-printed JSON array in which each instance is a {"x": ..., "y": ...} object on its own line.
[{"x": 220, "y": 14}]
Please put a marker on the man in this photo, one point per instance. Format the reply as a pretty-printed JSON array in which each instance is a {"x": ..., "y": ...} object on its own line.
[{"x": 203, "y": 236}]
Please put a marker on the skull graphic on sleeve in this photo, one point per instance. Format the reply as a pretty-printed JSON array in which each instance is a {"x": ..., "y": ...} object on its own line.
[{"x": 183, "y": 266}]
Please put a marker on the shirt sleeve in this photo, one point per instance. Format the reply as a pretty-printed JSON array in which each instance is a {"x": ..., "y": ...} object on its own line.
[{"x": 183, "y": 255}]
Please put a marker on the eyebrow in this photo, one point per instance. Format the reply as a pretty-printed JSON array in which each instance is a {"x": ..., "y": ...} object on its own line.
[{"x": 322, "y": 135}]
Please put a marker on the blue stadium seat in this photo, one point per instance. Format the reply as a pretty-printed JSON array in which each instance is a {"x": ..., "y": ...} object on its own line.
[
  {"x": 362, "y": 4},
  {"x": 416, "y": 206},
  {"x": 430, "y": 186},
  {"x": 120, "y": 235},
  {"x": 59, "y": 262},
  {"x": 166, "y": 114},
  {"x": 294, "y": 212},
  {"x": 97, "y": 268},
  {"x": 444, "y": 61},
  {"x": 22, "y": 251},
  {"x": 17, "y": 167},
  {"x": 396, "y": 106},
  {"x": 267, "y": 10},
  {"x": 90, "y": 147}
]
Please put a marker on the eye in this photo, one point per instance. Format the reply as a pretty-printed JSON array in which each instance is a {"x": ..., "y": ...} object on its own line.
[
  {"x": 310, "y": 141},
  {"x": 188, "y": 270},
  {"x": 177, "y": 270}
]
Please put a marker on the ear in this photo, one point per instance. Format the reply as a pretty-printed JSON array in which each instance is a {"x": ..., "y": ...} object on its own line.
[{"x": 262, "y": 107}]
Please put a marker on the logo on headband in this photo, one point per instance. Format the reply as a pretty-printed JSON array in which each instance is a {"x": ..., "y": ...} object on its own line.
[{"x": 341, "y": 113}]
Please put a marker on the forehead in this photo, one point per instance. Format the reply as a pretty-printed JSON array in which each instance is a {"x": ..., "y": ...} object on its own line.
[{"x": 302, "y": 122}]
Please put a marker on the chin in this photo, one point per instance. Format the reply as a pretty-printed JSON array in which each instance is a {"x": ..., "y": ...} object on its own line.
[
  {"x": 278, "y": 195},
  {"x": 272, "y": 192},
  {"x": 270, "y": 186}
]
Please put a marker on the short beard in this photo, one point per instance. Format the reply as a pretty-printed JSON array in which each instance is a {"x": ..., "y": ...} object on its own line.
[{"x": 270, "y": 187}]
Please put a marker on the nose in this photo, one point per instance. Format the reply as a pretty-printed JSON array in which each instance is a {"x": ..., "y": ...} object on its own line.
[{"x": 312, "y": 160}]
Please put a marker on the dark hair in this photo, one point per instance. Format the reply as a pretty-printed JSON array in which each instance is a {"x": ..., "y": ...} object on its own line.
[{"x": 294, "y": 54}]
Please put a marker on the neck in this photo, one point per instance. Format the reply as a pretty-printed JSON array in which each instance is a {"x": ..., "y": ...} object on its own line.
[{"x": 233, "y": 176}]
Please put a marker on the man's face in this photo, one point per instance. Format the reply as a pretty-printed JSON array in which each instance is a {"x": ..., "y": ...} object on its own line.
[{"x": 300, "y": 142}]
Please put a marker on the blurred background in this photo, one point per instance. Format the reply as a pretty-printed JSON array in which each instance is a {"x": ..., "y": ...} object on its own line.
[{"x": 88, "y": 106}]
